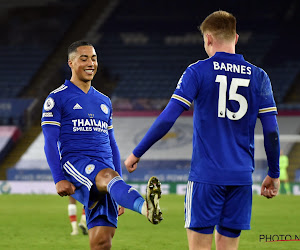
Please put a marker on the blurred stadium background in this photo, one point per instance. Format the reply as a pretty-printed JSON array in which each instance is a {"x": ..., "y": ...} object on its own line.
[{"x": 143, "y": 47}]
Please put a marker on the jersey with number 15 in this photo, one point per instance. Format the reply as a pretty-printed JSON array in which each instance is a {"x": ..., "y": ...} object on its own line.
[{"x": 229, "y": 94}]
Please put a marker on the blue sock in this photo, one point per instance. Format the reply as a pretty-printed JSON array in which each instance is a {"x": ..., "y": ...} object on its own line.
[
  {"x": 138, "y": 204},
  {"x": 125, "y": 195}
]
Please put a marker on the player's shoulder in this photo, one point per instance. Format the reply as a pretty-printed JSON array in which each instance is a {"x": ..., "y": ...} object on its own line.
[
  {"x": 196, "y": 69},
  {"x": 101, "y": 96},
  {"x": 55, "y": 97},
  {"x": 255, "y": 67},
  {"x": 60, "y": 90},
  {"x": 258, "y": 71},
  {"x": 196, "y": 64},
  {"x": 58, "y": 93}
]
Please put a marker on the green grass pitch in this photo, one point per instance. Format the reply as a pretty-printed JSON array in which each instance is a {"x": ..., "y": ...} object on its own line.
[{"x": 41, "y": 222}]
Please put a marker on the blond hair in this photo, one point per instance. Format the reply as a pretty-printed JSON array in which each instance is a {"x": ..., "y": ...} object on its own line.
[{"x": 220, "y": 24}]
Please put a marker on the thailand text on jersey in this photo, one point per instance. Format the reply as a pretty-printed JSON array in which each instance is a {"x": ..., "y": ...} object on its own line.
[
  {"x": 229, "y": 94},
  {"x": 84, "y": 121}
]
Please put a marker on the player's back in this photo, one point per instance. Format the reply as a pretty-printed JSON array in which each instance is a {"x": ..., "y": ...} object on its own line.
[{"x": 230, "y": 95}]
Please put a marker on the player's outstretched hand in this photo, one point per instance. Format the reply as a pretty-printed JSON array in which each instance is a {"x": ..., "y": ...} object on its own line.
[
  {"x": 64, "y": 188},
  {"x": 131, "y": 162},
  {"x": 270, "y": 187}
]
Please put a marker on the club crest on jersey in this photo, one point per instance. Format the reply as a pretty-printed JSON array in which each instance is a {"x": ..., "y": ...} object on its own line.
[
  {"x": 89, "y": 168},
  {"x": 49, "y": 104},
  {"x": 104, "y": 108}
]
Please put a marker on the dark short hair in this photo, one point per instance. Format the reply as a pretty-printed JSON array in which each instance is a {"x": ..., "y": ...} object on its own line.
[{"x": 73, "y": 47}]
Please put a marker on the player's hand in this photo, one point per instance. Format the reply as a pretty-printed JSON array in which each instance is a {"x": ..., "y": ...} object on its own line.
[
  {"x": 270, "y": 187},
  {"x": 131, "y": 162},
  {"x": 64, "y": 188},
  {"x": 121, "y": 210}
]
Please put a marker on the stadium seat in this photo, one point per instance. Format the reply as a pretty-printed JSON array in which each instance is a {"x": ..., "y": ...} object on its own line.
[{"x": 149, "y": 60}]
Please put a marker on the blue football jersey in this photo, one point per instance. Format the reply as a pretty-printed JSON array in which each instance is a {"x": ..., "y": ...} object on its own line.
[
  {"x": 84, "y": 120},
  {"x": 229, "y": 94}
]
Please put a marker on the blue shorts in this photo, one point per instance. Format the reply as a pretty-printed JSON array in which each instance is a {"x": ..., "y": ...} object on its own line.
[
  {"x": 82, "y": 173},
  {"x": 95, "y": 217},
  {"x": 208, "y": 205}
]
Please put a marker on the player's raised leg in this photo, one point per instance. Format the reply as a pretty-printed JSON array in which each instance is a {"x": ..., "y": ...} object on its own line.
[
  {"x": 153, "y": 194},
  {"x": 108, "y": 180}
]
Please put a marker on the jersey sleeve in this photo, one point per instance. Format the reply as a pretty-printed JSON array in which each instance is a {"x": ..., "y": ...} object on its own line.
[
  {"x": 51, "y": 135},
  {"x": 51, "y": 118},
  {"x": 113, "y": 144},
  {"x": 159, "y": 128},
  {"x": 186, "y": 89},
  {"x": 110, "y": 124},
  {"x": 51, "y": 111},
  {"x": 271, "y": 144},
  {"x": 267, "y": 105}
]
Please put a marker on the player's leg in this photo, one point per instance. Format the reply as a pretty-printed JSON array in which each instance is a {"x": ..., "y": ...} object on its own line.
[
  {"x": 203, "y": 207},
  {"x": 108, "y": 180},
  {"x": 101, "y": 237},
  {"x": 72, "y": 213},
  {"x": 102, "y": 221},
  {"x": 82, "y": 223},
  {"x": 199, "y": 241},
  {"x": 88, "y": 175},
  {"x": 229, "y": 242},
  {"x": 236, "y": 216}
]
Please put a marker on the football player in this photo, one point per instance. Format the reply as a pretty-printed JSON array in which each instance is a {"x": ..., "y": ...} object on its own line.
[
  {"x": 83, "y": 155},
  {"x": 229, "y": 94}
]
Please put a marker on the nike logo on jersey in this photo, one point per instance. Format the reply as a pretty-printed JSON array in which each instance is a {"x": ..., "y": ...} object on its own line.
[{"x": 77, "y": 106}]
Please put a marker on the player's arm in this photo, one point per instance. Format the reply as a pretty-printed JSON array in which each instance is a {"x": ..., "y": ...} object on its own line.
[
  {"x": 159, "y": 128},
  {"x": 115, "y": 152},
  {"x": 270, "y": 186},
  {"x": 51, "y": 135},
  {"x": 185, "y": 92}
]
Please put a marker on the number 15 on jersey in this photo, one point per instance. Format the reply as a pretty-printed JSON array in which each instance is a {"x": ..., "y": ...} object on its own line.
[{"x": 223, "y": 111}]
